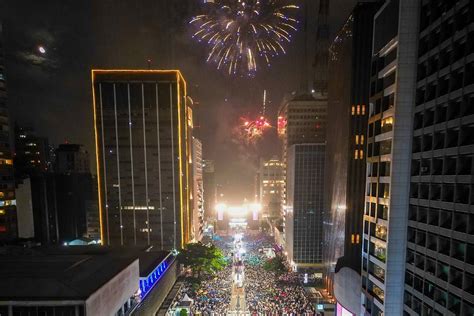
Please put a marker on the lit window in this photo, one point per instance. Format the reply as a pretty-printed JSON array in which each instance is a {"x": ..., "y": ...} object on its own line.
[
  {"x": 363, "y": 109},
  {"x": 2, "y": 212},
  {"x": 361, "y": 154},
  {"x": 356, "y": 154},
  {"x": 358, "y": 109},
  {"x": 357, "y": 239},
  {"x": 352, "y": 238},
  {"x": 357, "y": 139},
  {"x": 353, "y": 110},
  {"x": 362, "y": 139}
]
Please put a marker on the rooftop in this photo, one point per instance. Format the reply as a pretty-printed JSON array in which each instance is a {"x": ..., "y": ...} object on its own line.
[{"x": 65, "y": 273}]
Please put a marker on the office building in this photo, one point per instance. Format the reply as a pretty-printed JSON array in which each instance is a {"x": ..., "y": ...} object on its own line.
[
  {"x": 271, "y": 185},
  {"x": 304, "y": 211},
  {"x": 84, "y": 280},
  {"x": 210, "y": 188},
  {"x": 302, "y": 119},
  {"x": 8, "y": 216},
  {"x": 392, "y": 100},
  {"x": 348, "y": 100},
  {"x": 24, "y": 205},
  {"x": 198, "y": 191},
  {"x": 142, "y": 128},
  {"x": 31, "y": 153},
  {"x": 439, "y": 276},
  {"x": 71, "y": 158},
  {"x": 92, "y": 213}
]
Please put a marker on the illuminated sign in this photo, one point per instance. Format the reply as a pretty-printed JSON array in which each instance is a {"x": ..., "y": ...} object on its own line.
[{"x": 341, "y": 311}]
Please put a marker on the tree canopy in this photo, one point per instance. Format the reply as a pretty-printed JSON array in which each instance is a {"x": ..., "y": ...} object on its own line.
[
  {"x": 202, "y": 258},
  {"x": 276, "y": 264}
]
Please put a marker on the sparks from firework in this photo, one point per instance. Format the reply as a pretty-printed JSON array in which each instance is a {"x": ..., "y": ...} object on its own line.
[
  {"x": 249, "y": 131},
  {"x": 239, "y": 33}
]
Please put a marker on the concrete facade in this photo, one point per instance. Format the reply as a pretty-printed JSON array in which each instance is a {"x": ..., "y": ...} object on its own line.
[{"x": 392, "y": 95}]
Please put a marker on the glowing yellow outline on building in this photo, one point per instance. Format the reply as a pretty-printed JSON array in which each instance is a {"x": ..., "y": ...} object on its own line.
[
  {"x": 125, "y": 71},
  {"x": 99, "y": 186}
]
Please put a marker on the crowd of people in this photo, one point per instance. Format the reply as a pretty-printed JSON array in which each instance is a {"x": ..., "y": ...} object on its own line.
[
  {"x": 269, "y": 294},
  {"x": 266, "y": 292}
]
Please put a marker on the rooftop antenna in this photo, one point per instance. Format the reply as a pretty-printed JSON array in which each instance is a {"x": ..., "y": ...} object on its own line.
[{"x": 264, "y": 102}]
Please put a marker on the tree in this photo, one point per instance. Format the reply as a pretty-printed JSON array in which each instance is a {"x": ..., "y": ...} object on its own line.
[
  {"x": 276, "y": 264},
  {"x": 202, "y": 258},
  {"x": 183, "y": 312}
]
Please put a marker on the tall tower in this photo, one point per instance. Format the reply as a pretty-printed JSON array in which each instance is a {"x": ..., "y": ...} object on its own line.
[
  {"x": 8, "y": 216},
  {"x": 143, "y": 134},
  {"x": 321, "y": 54}
]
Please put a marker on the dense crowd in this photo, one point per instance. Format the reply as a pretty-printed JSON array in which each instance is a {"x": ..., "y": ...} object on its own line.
[
  {"x": 269, "y": 294},
  {"x": 266, "y": 293}
]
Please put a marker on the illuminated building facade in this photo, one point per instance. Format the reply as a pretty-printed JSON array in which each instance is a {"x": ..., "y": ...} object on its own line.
[
  {"x": 8, "y": 216},
  {"x": 390, "y": 118},
  {"x": 348, "y": 100},
  {"x": 305, "y": 207},
  {"x": 210, "y": 188},
  {"x": 439, "y": 277},
  {"x": 271, "y": 185},
  {"x": 198, "y": 191},
  {"x": 143, "y": 127}
]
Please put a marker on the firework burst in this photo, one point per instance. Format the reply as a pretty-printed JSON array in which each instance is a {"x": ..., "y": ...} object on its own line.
[{"x": 241, "y": 34}]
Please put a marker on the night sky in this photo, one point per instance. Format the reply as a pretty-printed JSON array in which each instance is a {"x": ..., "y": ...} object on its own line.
[{"x": 52, "y": 92}]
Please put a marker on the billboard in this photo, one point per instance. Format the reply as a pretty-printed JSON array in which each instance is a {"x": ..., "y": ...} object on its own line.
[{"x": 341, "y": 311}]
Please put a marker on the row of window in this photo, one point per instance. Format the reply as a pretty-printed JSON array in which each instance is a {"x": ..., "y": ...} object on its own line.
[
  {"x": 446, "y": 192},
  {"x": 453, "y": 248},
  {"x": 444, "y": 32},
  {"x": 451, "y": 220},
  {"x": 376, "y": 210},
  {"x": 441, "y": 270},
  {"x": 453, "y": 81},
  {"x": 358, "y": 109},
  {"x": 444, "y": 112},
  {"x": 452, "y": 137},
  {"x": 448, "y": 165}
]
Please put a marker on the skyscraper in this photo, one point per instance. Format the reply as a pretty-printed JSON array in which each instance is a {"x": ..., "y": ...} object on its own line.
[
  {"x": 198, "y": 191},
  {"x": 210, "y": 188},
  {"x": 73, "y": 190},
  {"x": 71, "y": 158},
  {"x": 271, "y": 186},
  {"x": 8, "y": 217},
  {"x": 31, "y": 153},
  {"x": 348, "y": 99},
  {"x": 392, "y": 100},
  {"x": 304, "y": 209},
  {"x": 142, "y": 127},
  {"x": 439, "y": 276}
]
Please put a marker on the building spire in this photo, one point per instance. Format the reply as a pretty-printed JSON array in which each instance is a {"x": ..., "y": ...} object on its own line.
[{"x": 322, "y": 45}]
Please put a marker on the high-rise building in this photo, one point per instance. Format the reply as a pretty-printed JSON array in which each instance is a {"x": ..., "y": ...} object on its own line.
[
  {"x": 348, "y": 99},
  {"x": 391, "y": 105},
  {"x": 302, "y": 119},
  {"x": 73, "y": 191},
  {"x": 210, "y": 188},
  {"x": 198, "y": 191},
  {"x": 142, "y": 128},
  {"x": 439, "y": 276},
  {"x": 304, "y": 210},
  {"x": 8, "y": 217},
  {"x": 71, "y": 158},
  {"x": 271, "y": 186},
  {"x": 31, "y": 153}
]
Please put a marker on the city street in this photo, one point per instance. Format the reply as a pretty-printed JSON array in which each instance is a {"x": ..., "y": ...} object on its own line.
[{"x": 245, "y": 287}]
